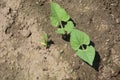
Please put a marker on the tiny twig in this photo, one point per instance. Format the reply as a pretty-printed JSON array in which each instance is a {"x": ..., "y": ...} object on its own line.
[
  {"x": 61, "y": 24},
  {"x": 83, "y": 47}
]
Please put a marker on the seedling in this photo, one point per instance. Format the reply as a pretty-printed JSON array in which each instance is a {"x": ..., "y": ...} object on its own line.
[
  {"x": 44, "y": 40},
  {"x": 78, "y": 39}
]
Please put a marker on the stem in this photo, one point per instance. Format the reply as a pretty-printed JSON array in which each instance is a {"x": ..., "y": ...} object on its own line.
[
  {"x": 61, "y": 25},
  {"x": 83, "y": 47}
]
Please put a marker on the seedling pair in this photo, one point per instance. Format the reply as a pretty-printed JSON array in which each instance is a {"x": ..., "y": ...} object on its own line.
[{"x": 79, "y": 40}]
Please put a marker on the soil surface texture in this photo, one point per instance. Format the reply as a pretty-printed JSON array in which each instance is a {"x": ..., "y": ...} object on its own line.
[{"x": 23, "y": 57}]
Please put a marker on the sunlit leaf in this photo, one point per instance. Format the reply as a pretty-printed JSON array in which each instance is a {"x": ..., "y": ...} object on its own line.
[
  {"x": 87, "y": 55},
  {"x": 69, "y": 27},
  {"x": 60, "y": 31},
  {"x": 78, "y": 38},
  {"x": 58, "y": 14}
]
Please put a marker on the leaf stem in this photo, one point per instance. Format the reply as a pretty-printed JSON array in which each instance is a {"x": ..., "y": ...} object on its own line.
[
  {"x": 83, "y": 47},
  {"x": 61, "y": 25}
]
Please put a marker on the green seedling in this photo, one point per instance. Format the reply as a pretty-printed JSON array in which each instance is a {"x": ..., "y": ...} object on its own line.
[
  {"x": 44, "y": 40},
  {"x": 77, "y": 38}
]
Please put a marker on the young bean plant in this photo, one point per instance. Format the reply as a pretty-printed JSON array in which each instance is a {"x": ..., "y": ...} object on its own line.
[
  {"x": 79, "y": 40},
  {"x": 44, "y": 40}
]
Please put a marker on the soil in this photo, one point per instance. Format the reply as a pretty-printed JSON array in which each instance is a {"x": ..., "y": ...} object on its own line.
[{"x": 22, "y": 57}]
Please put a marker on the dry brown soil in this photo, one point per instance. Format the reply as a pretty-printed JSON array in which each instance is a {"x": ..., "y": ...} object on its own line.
[{"x": 22, "y": 57}]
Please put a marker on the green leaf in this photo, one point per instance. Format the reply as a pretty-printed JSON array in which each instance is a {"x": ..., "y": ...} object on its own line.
[
  {"x": 69, "y": 27},
  {"x": 44, "y": 39},
  {"x": 54, "y": 21},
  {"x": 60, "y": 31},
  {"x": 78, "y": 38},
  {"x": 58, "y": 14},
  {"x": 87, "y": 55}
]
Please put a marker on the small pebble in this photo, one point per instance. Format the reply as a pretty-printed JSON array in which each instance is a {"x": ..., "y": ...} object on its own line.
[
  {"x": 61, "y": 51},
  {"x": 118, "y": 20},
  {"x": 75, "y": 55},
  {"x": 37, "y": 2}
]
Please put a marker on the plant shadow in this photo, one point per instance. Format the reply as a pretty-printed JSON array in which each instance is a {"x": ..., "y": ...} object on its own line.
[
  {"x": 49, "y": 43},
  {"x": 66, "y": 37},
  {"x": 96, "y": 62}
]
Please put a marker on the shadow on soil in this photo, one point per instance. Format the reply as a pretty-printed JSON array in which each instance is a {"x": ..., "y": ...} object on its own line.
[
  {"x": 49, "y": 43},
  {"x": 96, "y": 62}
]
